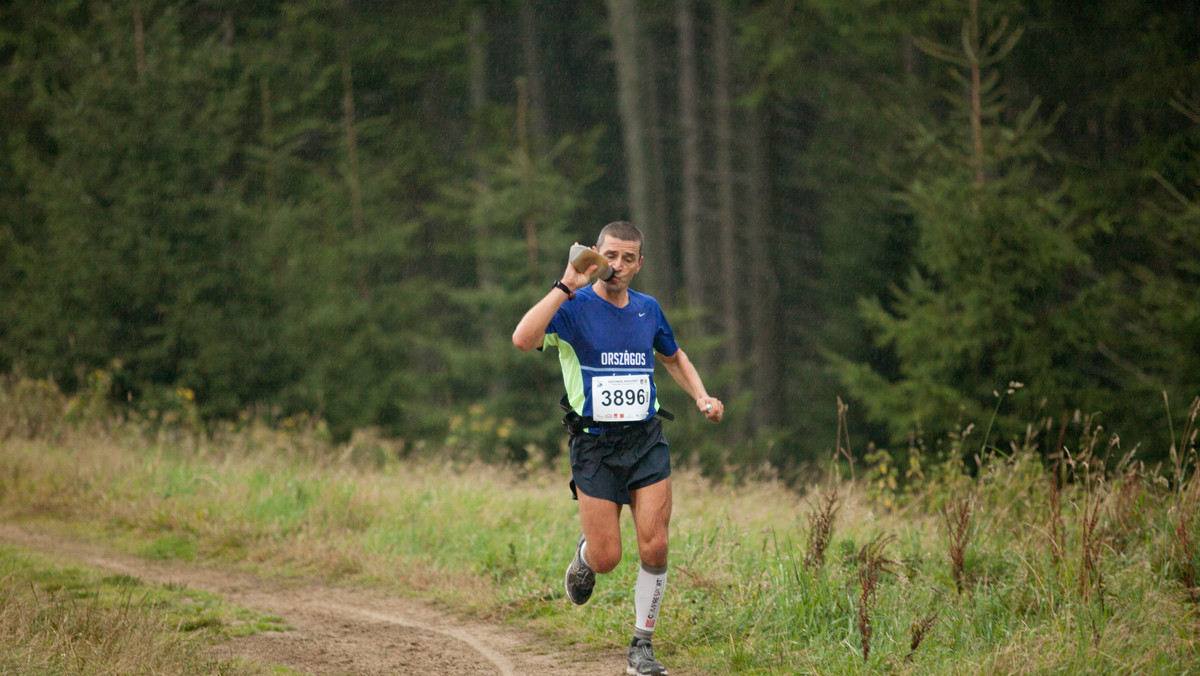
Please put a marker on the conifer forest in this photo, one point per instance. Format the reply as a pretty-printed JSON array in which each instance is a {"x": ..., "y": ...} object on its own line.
[{"x": 871, "y": 224}]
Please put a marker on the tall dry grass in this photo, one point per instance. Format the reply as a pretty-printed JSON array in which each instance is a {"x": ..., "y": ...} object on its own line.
[
  {"x": 58, "y": 618},
  {"x": 1045, "y": 558}
]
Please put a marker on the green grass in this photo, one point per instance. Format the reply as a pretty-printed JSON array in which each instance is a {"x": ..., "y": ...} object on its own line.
[
  {"x": 58, "y": 617},
  {"x": 1087, "y": 575}
]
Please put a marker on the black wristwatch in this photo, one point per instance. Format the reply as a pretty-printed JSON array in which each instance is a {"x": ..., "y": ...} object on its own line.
[{"x": 565, "y": 289}]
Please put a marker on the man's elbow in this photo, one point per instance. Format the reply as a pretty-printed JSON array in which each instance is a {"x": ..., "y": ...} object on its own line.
[
  {"x": 669, "y": 360},
  {"x": 523, "y": 343}
]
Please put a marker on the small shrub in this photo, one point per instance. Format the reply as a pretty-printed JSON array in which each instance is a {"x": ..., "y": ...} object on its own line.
[
  {"x": 920, "y": 630},
  {"x": 957, "y": 517},
  {"x": 820, "y": 527},
  {"x": 1090, "y": 575},
  {"x": 871, "y": 563}
]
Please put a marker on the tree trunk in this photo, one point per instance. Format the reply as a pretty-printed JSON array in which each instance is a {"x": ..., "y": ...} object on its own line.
[
  {"x": 539, "y": 130},
  {"x": 974, "y": 57},
  {"x": 623, "y": 25},
  {"x": 348, "y": 124},
  {"x": 531, "y": 235},
  {"x": 731, "y": 263},
  {"x": 763, "y": 296},
  {"x": 487, "y": 275},
  {"x": 485, "y": 269},
  {"x": 139, "y": 43},
  {"x": 268, "y": 140},
  {"x": 658, "y": 180},
  {"x": 352, "y": 174},
  {"x": 689, "y": 141}
]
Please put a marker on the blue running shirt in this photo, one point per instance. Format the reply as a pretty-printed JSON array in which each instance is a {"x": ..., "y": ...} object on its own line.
[{"x": 607, "y": 354}]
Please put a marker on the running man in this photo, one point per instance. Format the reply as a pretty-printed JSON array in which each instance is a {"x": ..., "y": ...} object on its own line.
[{"x": 607, "y": 337}]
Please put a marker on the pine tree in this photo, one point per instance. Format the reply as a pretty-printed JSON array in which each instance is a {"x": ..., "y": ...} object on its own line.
[
  {"x": 1149, "y": 333},
  {"x": 133, "y": 177},
  {"x": 991, "y": 299}
]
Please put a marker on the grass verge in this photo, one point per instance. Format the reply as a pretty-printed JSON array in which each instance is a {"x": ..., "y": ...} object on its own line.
[
  {"x": 1029, "y": 565},
  {"x": 60, "y": 618}
]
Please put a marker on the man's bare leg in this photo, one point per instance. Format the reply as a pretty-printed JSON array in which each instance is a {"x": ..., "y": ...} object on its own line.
[
  {"x": 651, "y": 507},
  {"x": 601, "y": 520}
]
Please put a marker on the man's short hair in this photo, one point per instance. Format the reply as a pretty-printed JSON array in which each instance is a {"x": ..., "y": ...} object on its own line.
[{"x": 622, "y": 230}]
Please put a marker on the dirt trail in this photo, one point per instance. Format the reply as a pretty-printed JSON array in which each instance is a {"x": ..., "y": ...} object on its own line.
[{"x": 344, "y": 632}]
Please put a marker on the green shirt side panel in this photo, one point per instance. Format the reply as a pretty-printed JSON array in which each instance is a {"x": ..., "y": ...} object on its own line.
[{"x": 571, "y": 371}]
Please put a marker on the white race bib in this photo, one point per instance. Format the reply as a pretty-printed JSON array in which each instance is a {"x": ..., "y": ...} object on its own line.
[{"x": 620, "y": 398}]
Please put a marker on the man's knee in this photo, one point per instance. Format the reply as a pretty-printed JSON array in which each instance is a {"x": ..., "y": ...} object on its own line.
[
  {"x": 653, "y": 550},
  {"x": 603, "y": 555}
]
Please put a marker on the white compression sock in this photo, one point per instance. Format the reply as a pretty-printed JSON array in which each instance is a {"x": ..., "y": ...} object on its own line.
[{"x": 647, "y": 599}]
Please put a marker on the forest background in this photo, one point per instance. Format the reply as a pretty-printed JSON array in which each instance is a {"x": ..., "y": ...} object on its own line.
[{"x": 891, "y": 220}]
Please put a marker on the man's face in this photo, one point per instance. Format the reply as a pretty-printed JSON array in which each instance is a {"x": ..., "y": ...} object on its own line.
[{"x": 624, "y": 257}]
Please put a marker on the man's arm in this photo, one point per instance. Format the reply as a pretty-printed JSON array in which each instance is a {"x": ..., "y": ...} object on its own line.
[
  {"x": 531, "y": 330},
  {"x": 684, "y": 373}
]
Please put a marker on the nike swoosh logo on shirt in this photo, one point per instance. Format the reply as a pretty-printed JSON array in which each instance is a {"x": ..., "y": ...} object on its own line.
[{"x": 641, "y": 314}]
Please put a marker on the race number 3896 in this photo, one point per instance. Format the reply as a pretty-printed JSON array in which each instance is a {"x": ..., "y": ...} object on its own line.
[{"x": 618, "y": 398}]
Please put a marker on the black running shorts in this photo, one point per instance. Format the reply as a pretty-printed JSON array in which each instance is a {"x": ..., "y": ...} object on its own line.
[{"x": 619, "y": 459}]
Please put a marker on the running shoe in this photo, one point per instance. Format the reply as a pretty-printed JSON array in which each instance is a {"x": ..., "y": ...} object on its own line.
[
  {"x": 641, "y": 660},
  {"x": 580, "y": 579}
]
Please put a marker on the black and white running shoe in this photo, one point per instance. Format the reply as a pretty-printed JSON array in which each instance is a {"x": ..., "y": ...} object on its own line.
[
  {"x": 580, "y": 579},
  {"x": 641, "y": 660}
]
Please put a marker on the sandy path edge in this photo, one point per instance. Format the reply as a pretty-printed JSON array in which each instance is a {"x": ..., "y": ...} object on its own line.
[{"x": 341, "y": 631}]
